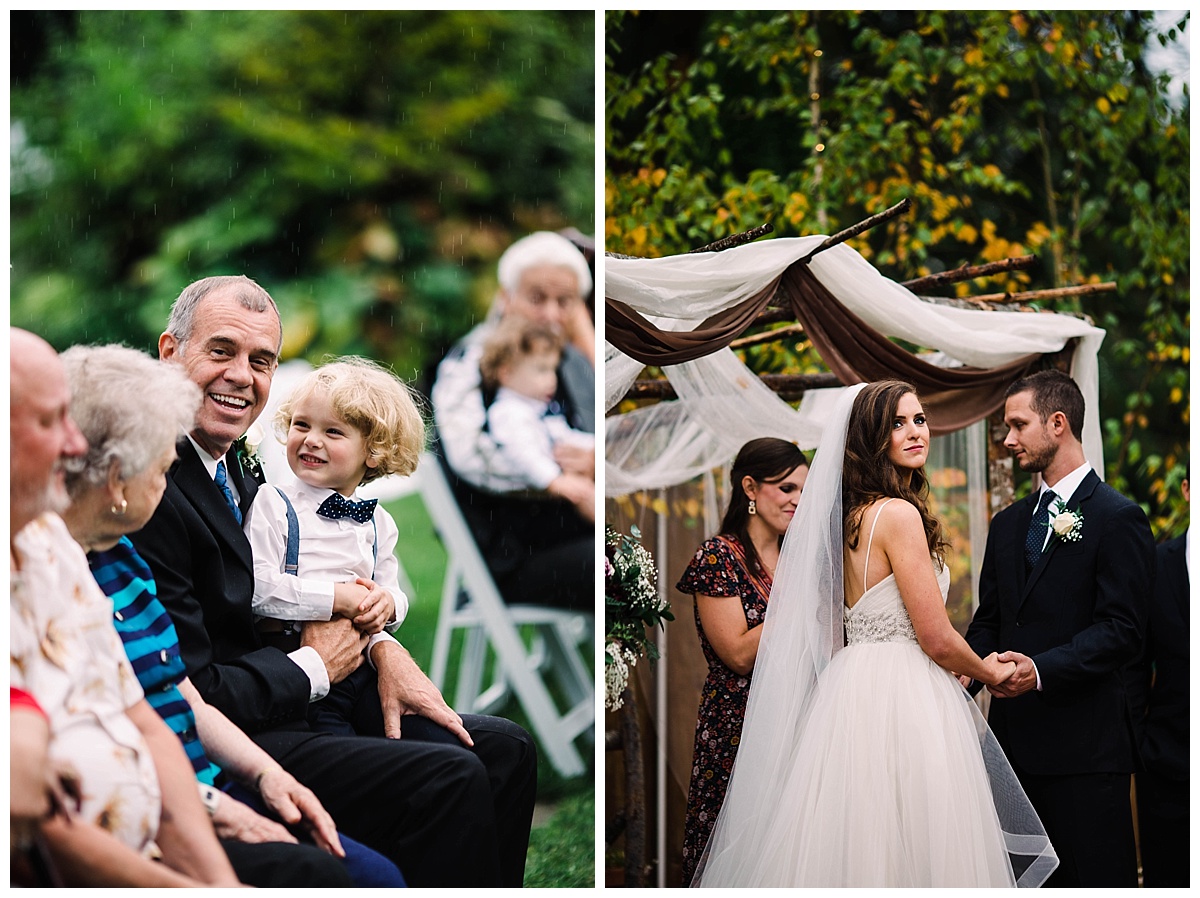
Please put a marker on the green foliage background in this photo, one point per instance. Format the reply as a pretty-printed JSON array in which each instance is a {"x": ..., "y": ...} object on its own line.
[
  {"x": 1012, "y": 132},
  {"x": 368, "y": 168}
]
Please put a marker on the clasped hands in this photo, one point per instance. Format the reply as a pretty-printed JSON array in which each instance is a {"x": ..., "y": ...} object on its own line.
[
  {"x": 364, "y": 602},
  {"x": 1019, "y": 678}
]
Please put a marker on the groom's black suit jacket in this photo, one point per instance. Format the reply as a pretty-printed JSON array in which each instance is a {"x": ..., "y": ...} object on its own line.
[{"x": 1079, "y": 614}]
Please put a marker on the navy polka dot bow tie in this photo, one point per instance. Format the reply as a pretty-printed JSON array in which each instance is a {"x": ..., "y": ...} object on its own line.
[{"x": 338, "y": 506}]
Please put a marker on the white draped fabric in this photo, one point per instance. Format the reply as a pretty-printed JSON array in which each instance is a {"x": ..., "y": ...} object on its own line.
[{"x": 722, "y": 404}]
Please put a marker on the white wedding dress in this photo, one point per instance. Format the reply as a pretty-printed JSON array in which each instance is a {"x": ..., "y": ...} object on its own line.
[
  {"x": 888, "y": 786},
  {"x": 862, "y": 762}
]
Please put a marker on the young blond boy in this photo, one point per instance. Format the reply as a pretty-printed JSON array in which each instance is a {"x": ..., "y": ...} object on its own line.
[{"x": 346, "y": 424}]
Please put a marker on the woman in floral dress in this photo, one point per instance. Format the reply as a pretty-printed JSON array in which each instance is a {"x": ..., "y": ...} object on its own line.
[{"x": 766, "y": 481}]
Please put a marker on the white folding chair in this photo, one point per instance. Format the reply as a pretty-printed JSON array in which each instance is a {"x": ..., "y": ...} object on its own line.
[{"x": 472, "y": 603}]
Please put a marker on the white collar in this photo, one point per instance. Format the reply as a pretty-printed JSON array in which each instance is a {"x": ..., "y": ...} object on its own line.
[{"x": 1066, "y": 486}]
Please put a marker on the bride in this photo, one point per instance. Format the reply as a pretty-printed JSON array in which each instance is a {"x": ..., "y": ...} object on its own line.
[{"x": 863, "y": 762}]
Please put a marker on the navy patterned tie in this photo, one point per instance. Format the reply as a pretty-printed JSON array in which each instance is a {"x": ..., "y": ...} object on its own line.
[
  {"x": 338, "y": 506},
  {"x": 223, "y": 485},
  {"x": 1036, "y": 537}
]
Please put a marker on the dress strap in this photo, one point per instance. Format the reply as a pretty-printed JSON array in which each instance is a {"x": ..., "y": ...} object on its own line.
[{"x": 871, "y": 539}]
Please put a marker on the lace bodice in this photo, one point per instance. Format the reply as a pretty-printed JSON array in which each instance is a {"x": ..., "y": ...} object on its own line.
[{"x": 880, "y": 615}]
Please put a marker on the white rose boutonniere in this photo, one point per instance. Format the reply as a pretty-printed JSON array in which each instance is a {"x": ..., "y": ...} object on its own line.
[
  {"x": 1067, "y": 525},
  {"x": 247, "y": 449}
]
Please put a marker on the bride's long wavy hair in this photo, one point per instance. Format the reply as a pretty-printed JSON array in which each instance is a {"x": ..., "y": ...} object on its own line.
[{"x": 868, "y": 474}]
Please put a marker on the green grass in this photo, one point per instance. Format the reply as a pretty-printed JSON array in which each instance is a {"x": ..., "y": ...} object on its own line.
[
  {"x": 561, "y": 853},
  {"x": 562, "y": 850}
]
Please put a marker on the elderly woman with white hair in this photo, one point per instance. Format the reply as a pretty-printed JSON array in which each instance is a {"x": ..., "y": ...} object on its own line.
[
  {"x": 132, "y": 409},
  {"x": 539, "y": 545}
]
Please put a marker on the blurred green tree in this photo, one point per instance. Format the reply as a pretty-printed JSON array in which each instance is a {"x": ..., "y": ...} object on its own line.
[
  {"x": 1012, "y": 132},
  {"x": 368, "y": 168}
]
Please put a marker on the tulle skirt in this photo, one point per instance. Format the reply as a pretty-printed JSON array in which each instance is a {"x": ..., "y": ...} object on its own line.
[{"x": 888, "y": 787}]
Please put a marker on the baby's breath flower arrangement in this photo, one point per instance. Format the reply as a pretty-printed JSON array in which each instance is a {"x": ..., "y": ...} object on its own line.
[{"x": 631, "y": 603}]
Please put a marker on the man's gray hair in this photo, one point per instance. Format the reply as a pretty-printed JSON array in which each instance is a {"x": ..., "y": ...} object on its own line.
[
  {"x": 248, "y": 294},
  {"x": 129, "y": 406}
]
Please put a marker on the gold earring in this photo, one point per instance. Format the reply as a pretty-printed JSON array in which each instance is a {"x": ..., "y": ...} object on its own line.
[
  {"x": 753, "y": 508},
  {"x": 120, "y": 511}
]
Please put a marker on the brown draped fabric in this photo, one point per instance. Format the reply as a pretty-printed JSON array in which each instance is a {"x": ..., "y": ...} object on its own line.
[
  {"x": 627, "y": 330},
  {"x": 854, "y": 351}
]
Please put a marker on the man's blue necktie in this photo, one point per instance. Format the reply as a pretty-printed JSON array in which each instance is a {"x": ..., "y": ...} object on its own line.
[
  {"x": 338, "y": 506},
  {"x": 1036, "y": 537},
  {"x": 223, "y": 485}
]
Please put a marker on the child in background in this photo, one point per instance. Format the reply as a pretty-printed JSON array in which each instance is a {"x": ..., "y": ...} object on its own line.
[
  {"x": 346, "y": 424},
  {"x": 518, "y": 368}
]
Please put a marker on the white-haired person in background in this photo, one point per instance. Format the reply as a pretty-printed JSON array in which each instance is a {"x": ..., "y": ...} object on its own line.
[{"x": 535, "y": 544}]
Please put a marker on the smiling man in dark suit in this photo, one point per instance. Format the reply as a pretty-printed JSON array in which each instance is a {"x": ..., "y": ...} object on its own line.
[
  {"x": 1063, "y": 592},
  {"x": 451, "y": 802}
]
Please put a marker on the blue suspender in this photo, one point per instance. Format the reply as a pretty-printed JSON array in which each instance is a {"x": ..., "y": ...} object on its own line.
[{"x": 291, "y": 557}]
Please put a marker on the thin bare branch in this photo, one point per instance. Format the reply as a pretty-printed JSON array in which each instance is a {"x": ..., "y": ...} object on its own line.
[
  {"x": 792, "y": 330},
  {"x": 865, "y": 225},
  {"x": 734, "y": 240},
  {"x": 780, "y": 383},
  {"x": 1043, "y": 295},
  {"x": 968, "y": 272}
]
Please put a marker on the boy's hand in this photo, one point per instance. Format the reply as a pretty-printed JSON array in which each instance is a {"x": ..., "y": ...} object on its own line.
[
  {"x": 347, "y": 597},
  {"x": 376, "y": 609}
]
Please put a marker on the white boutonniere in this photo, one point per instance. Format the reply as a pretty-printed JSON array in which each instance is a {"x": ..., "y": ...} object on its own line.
[
  {"x": 1067, "y": 525},
  {"x": 247, "y": 449}
]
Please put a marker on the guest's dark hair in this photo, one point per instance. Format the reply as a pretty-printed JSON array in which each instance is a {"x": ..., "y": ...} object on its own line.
[
  {"x": 766, "y": 460},
  {"x": 1053, "y": 391},
  {"x": 868, "y": 474}
]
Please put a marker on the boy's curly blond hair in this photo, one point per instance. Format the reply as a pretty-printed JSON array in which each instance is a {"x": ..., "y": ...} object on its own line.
[
  {"x": 514, "y": 339},
  {"x": 384, "y": 409}
]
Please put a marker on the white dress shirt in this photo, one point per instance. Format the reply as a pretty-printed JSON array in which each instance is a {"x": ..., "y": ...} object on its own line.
[{"x": 331, "y": 551}]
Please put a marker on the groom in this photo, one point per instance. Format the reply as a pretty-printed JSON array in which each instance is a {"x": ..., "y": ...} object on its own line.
[{"x": 1066, "y": 578}]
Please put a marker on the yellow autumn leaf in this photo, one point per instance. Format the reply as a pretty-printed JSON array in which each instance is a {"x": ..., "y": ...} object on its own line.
[
  {"x": 992, "y": 171},
  {"x": 1002, "y": 90},
  {"x": 1176, "y": 395},
  {"x": 973, "y": 57},
  {"x": 658, "y": 505},
  {"x": 659, "y": 175},
  {"x": 1103, "y": 105},
  {"x": 967, "y": 234},
  {"x": 1167, "y": 279}
]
